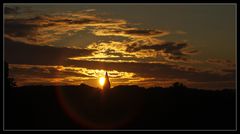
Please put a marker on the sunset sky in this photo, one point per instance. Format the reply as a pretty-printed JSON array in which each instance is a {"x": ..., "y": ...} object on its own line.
[{"x": 138, "y": 44}]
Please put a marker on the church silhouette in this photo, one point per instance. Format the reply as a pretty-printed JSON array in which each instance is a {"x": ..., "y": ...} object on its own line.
[{"x": 107, "y": 84}]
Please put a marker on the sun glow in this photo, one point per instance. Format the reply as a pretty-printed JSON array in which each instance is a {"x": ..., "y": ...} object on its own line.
[{"x": 101, "y": 81}]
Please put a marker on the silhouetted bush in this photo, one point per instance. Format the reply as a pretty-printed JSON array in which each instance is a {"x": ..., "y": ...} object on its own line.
[{"x": 178, "y": 85}]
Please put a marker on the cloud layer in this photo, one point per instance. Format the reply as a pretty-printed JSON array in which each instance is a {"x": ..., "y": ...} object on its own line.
[
  {"x": 17, "y": 52},
  {"x": 46, "y": 29},
  {"x": 141, "y": 56}
]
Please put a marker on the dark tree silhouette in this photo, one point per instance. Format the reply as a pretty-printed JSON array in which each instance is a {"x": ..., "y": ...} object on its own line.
[
  {"x": 9, "y": 82},
  {"x": 107, "y": 84},
  {"x": 178, "y": 85}
]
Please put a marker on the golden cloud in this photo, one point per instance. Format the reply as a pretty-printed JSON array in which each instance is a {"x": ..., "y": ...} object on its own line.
[{"x": 62, "y": 75}]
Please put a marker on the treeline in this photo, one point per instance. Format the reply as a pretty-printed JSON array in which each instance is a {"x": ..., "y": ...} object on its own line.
[{"x": 121, "y": 107}]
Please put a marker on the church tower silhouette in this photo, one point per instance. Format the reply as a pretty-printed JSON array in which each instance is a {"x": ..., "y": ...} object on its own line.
[{"x": 107, "y": 84}]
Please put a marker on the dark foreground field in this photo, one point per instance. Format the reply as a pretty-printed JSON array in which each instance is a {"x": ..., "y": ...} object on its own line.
[{"x": 122, "y": 107}]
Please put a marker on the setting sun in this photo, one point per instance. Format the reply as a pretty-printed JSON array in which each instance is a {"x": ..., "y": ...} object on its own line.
[{"x": 102, "y": 81}]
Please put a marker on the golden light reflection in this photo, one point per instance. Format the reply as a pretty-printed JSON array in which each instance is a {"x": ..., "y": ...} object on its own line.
[
  {"x": 68, "y": 75},
  {"x": 103, "y": 60}
]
